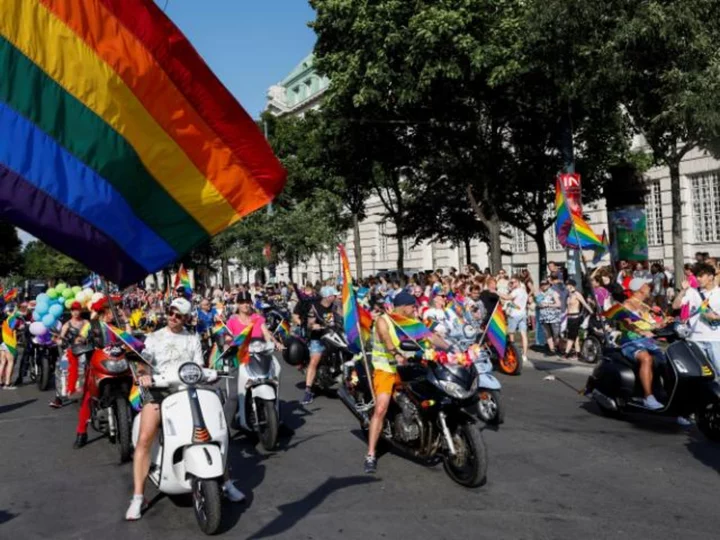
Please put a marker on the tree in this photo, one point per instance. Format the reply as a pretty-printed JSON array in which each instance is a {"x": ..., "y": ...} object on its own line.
[
  {"x": 662, "y": 55},
  {"x": 43, "y": 262},
  {"x": 10, "y": 247}
]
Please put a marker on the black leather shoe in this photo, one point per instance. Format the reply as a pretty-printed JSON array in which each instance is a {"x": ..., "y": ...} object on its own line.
[{"x": 80, "y": 441}]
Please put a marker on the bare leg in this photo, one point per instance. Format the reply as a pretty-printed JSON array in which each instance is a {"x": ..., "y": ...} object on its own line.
[
  {"x": 312, "y": 370},
  {"x": 382, "y": 402},
  {"x": 9, "y": 369},
  {"x": 149, "y": 424},
  {"x": 524, "y": 339},
  {"x": 645, "y": 360}
]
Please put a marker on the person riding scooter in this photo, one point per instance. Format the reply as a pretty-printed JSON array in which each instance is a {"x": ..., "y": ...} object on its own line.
[
  {"x": 637, "y": 341},
  {"x": 166, "y": 349}
]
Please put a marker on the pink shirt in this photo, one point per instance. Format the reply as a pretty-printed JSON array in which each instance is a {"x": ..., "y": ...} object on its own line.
[{"x": 236, "y": 326}]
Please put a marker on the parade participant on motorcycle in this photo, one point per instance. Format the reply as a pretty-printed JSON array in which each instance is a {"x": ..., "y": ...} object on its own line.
[
  {"x": 101, "y": 314},
  {"x": 166, "y": 349},
  {"x": 245, "y": 317},
  {"x": 386, "y": 355},
  {"x": 74, "y": 332},
  {"x": 318, "y": 315},
  {"x": 637, "y": 341}
]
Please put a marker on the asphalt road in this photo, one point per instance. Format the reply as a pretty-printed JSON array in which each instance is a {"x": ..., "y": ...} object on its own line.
[{"x": 557, "y": 470}]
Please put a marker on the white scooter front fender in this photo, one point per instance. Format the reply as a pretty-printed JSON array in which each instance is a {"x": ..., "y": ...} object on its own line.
[
  {"x": 488, "y": 382},
  {"x": 203, "y": 461},
  {"x": 264, "y": 391}
]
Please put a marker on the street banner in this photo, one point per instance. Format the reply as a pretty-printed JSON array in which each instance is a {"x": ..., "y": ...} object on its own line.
[{"x": 628, "y": 234}]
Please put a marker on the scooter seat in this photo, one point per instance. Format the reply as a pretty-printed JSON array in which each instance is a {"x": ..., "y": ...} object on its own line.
[{"x": 614, "y": 354}]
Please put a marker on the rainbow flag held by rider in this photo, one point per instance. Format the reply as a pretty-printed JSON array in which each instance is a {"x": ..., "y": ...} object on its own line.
[
  {"x": 182, "y": 279},
  {"x": 410, "y": 327},
  {"x": 283, "y": 329},
  {"x": 571, "y": 226},
  {"x": 126, "y": 337},
  {"x": 497, "y": 330},
  {"x": 351, "y": 312},
  {"x": 120, "y": 147},
  {"x": 135, "y": 398},
  {"x": 242, "y": 342},
  {"x": 219, "y": 328}
]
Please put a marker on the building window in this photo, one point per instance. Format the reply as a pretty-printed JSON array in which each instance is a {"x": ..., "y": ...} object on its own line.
[
  {"x": 705, "y": 189},
  {"x": 407, "y": 245},
  {"x": 382, "y": 241},
  {"x": 519, "y": 242},
  {"x": 551, "y": 240},
  {"x": 653, "y": 209}
]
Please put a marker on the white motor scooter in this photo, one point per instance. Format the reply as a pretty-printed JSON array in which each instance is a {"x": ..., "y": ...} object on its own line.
[
  {"x": 258, "y": 393},
  {"x": 190, "y": 453}
]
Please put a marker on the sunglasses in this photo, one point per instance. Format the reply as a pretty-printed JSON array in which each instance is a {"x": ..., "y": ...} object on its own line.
[{"x": 175, "y": 314}]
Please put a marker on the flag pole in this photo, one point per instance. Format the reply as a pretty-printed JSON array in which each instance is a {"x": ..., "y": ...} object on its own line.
[{"x": 365, "y": 361}]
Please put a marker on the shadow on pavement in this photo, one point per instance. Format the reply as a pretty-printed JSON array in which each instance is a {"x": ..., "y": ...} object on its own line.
[
  {"x": 291, "y": 514},
  {"x": 640, "y": 421},
  {"x": 18, "y": 405},
  {"x": 6, "y": 516},
  {"x": 706, "y": 452}
]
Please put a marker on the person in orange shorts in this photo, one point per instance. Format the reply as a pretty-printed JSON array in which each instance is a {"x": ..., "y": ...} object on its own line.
[{"x": 386, "y": 356}]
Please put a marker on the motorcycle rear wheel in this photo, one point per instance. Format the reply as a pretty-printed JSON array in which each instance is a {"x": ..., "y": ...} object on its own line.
[
  {"x": 511, "y": 363},
  {"x": 590, "y": 351},
  {"x": 207, "y": 503},
  {"x": 469, "y": 467},
  {"x": 43, "y": 377}
]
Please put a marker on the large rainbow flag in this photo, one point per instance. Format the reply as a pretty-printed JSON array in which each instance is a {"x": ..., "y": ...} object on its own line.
[
  {"x": 571, "y": 226},
  {"x": 119, "y": 146},
  {"x": 497, "y": 330},
  {"x": 357, "y": 330}
]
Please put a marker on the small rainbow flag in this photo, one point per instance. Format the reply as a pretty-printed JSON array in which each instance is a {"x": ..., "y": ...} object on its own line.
[
  {"x": 135, "y": 398},
  {"x": 183, "y": 279},
  {"x": 219, "y": 328},
  {"x": 283, "y": 329},
  {"x": 571, "y": 227},
  {"x": 9, "y": 335},
  {"x": 351, "y": 315},
  {"x": 242, "y": 342},
  {"x": 411, "y": 327},
  {"x": 11, "y": 295},
  {"x": 215, "y": 361},
  {"x": 618, "y": 313},
  {"x": 126, "y": 337},
  {"x": 497, "y": 330}
]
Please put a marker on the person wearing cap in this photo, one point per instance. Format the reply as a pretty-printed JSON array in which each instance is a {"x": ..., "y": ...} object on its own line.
[
  {"x": 166, "y": 349},
  {"x": 386, "y": 355},
  {"x": 318, "y": 315},
  {"x": 636, "y": 340},
  {"x": 75, "y": 332}
]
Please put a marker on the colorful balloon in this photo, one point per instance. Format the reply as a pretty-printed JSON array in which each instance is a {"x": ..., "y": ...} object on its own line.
[
  {"x": 60, "y": 287},
  {"x": 42, "y": 298},
  {"x": 48, "y": 320},
  {"x": 37, "y": 328},
  {"x": 67, "y": 293},
  {"x": 69, "y": 302},
  {"x": 55, "y": 310},
  {"x": 42, "y": 309},
  {"x": 52, "y": 293}
]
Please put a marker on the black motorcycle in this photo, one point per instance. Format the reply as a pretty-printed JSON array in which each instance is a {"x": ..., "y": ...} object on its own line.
[
  {"x": 330, "y": 369},
  {"x": 274, "y": 314},
  {"x": 41, "y": 363},
  {"x": 431, "y": 417},
  {"x": 684, "y": 382},
  {"x": 592, "y": 343}
]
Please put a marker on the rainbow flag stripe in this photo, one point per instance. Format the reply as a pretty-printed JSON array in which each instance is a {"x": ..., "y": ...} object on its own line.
[
  {"x": 618, "y": 312},
  {"x": 351, "y": 314},
  {"x": 412, "y": 328},
  {"x": 135, "y": 398},
  {"x": 571, "y": 227},
  {"x": 219, "y": 328},
  {"x": 497, "y": 331},
  {"x": 120, "y": 147},
  {"x": 9, "y": 336},
  {"x": 215, "y": 361},
  {"x": 242, "y": 342},
  {"x": 283, "y": 329},
  {"x": 10, "y": 295}
]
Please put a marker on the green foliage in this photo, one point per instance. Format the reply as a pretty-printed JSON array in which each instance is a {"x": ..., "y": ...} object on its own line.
[
  {"x": 43, "y": 262},
  {"x": 11, "y": 261}
]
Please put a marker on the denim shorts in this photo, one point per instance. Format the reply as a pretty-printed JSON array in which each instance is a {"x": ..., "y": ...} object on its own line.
[
  {"x": 316, "y": 346},
  {"x": 630, "y": 349},
  {"x": 517, "y": 324},
  {"x": 712, "y": 351}
]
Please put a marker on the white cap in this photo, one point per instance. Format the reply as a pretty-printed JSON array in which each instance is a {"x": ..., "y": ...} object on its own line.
[
  {"x": 637, "y": 283},
  {"x": 328, "y": 291},
  {"x": 183, "y": 306}
]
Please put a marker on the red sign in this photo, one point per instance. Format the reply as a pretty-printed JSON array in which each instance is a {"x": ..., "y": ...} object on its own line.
[{"x": 572, "y": 186}]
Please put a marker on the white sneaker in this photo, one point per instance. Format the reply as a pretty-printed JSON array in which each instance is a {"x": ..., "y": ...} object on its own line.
[
  {"x": 232, "y": 493},
  {"x": 524, "y": 359},
  {"x": 684, "y": 422},
  {"x": 135, "y": 510},
  {"x": 651, "y": 403}
]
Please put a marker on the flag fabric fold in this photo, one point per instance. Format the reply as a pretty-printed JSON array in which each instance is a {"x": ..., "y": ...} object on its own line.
[
  {"x": 571, "y": 228},
  {"x": 355, "y": 332},
  {"x": 497, "y": 330}
]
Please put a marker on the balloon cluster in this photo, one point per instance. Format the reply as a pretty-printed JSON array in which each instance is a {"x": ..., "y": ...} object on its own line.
[{"x": 51, "y": 304}]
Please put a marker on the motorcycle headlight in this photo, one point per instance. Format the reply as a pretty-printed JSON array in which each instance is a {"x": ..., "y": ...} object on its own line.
[
  {"x": 190, "y": 373},
  {"x": 115, "y": 366},
  {"x": 455, "y": 390}
]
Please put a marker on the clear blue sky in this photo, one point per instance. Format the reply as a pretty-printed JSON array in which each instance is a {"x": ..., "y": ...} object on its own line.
[{"x": 249, "y": 44}]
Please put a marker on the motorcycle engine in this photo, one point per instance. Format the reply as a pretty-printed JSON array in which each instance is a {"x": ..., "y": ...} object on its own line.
[{"x": 407, "y": 423}]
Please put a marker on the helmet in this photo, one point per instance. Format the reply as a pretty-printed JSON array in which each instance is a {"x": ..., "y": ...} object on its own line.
[{"x": 296, "y": 352}]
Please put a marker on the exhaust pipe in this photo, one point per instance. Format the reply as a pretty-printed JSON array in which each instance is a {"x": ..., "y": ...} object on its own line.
[
  {"x": 351, "y": 404},
  {"x": 606, "y": 402}
]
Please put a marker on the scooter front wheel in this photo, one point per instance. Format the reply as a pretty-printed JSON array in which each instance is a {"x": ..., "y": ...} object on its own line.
[
  {"x": 490, "y": 407},
  {"x": 708, "y": 421},
  {"x": 268, "y": 423},
  {"x": 207, "y": 502}
]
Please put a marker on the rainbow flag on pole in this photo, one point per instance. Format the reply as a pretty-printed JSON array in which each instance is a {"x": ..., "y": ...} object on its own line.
[
  {"x": 283, "y": 329},
  {"x": 351, "y": 312},
  {"x": 182, "y": 279},
  {"x": 242, "y": 342},
  {"x": 571, "y": 227},
  {"x": 497, "y": 330},
  {"x": 215, "y": 361},
  {"x": 10, "y": 295},
  {"x": 412, "y": 328},
  {"x": 126, "y": 337},
  {"x": 119, "y": 146}
]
